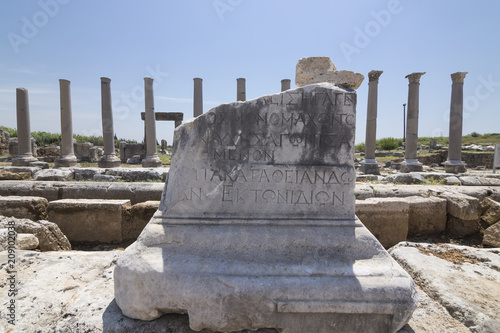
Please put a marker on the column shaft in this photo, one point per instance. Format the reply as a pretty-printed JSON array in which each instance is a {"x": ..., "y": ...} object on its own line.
[
  {"x": 285, "y": 84},
  {"x": 68, "y": 158},
  {"x": 241, "y": 94},
  {"x": 24, "y": 152},
  {"x": 454, "y": 163},
  {"x": 198, "y": 97},
  {"x": 370, "y": 164},
  {"x": 109, "y": 159},
  {"x": 151, "y": 159},
  {"x": 411, "y": 163}
]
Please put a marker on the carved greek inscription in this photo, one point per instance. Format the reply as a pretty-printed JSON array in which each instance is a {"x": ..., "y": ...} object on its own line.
[
  {"x": 279, "y": 175},
  {"x": 274, "y": 196}
]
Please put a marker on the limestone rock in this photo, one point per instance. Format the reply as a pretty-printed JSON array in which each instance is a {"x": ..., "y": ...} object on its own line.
[
  {"x": 54, "y": 174},
  {"x": 87, "y": 173},
  {"x": 24, "y": 241},
  {"x": 461, "y": 206},
  {"x": 312, "y": 70},
  {"x": 49, "y": 235},
  {"x": 463, "y": 279},
  {"x": 406, "y": 178},
  {"x": 8, "y": 175},
  {"x": 491, "y": 236}
]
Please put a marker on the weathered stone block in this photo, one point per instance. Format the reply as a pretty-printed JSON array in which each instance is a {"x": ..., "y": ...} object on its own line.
[
  {"x": 461, "y": 206},
  {"x": 24, "y": 207},
  {"x": 54, "y": 174},
  {"x": 426, "y": 216},
  {"x": 136, "y": 218},
  {"x": 490, "y": 211},
  {"x": 387, "y": 219},
  {"x": 460, "y": 228},
  {"x": 89, "y": 220},
  {"x": 492, "y": 236},
  {"x": 49, "y": 235},
  {"x": 23, "y": 241},
  {"x": 312, "y": 70}
]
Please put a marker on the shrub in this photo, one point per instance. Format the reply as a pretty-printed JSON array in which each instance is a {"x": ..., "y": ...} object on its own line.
[
  {"x": 475, "y": 134},
  {"x": 388, "y": 143},
  {"x": 360, "y": 147}
]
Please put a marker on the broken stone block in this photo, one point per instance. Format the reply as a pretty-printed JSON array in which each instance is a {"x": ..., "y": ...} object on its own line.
[
  {"x": 312, "y": 70},
  {"x": 426, "y": 216},
  {"x": 136, "y": 219},
  {"x": 491, "y": 211},
  {"x": 460, "y": 228},
  {"x": 24, "y": 207},
  {"x": 49, "y": 235},
  {"x": 491, "y": 236},
  {"x": 386, "y": 218},
  {"x": 461, "y": 206}
]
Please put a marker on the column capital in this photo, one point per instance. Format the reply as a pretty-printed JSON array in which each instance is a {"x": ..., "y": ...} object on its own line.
[
  {"x": 414, "y": 77},
  {"x": 374, "y": 75},
  {"x": 105, "y": 79},
  {"x": 64, "y": 81},
  {"x": 197, "y": 79},
  {"x": 458, "y": 77}
]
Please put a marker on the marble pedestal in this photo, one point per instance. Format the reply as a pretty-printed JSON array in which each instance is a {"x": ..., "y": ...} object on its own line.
[
  {"x": 109, "y": 161},
  {"x": 370, "y": 167},
  {"x": 455, "y": 166},
  {"x": 257, "y": 226},
  {"x": 411, "y": 166}
]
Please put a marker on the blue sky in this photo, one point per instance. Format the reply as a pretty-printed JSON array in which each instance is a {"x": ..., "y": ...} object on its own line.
[{"x": 260, "y": 40}]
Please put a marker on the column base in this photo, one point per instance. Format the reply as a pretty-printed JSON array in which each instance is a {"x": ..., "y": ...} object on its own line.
[
  {"x": 411, "y": 166},
  {"x": 454, "y": 166},
  {"x": 151, "y": 162},
  {"x": 23, "y": 160},
  {"x": 66, "y": 162},
  {"x": 109, "y": 161},
  {"x": 370, "y": 167}
]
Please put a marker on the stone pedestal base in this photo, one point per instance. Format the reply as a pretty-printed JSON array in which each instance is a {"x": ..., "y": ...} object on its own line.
[
  {"x": 454, "y": 167},
  {"x": 109, "y": 161},
  {"x": 371, "y": 168},
  {"x": 151, "y": 162},
  {"x": 292, "y": 275},
  {"x": 411, "y": 166},
  {"x": 23, "y": 160},
  {"x": 66, "y": 162}
]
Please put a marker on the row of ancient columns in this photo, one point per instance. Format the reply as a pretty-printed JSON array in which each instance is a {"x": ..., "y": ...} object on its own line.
[
  {"x": 68, "y": 158},
  {"x": 454, "y": 163},
  {"x": 109, "y": 159}
]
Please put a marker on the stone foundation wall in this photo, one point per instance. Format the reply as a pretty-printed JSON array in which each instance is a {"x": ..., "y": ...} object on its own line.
[{"x": 471, "y": 159}]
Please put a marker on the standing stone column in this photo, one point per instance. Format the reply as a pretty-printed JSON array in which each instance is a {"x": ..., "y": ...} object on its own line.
[
  {"x": 198, "y": 97},
  {"x": 151, "y": 160},
  {"x": 109, "y": 159},
  {"x": 68, "y": 158},
  {"x": 24, "y": 152},
  {"x": 370, "y": 164},
  {"x": 411, "y": 164},
  {"x": 454, "y": 163},
  {"x": 241, "y": 94},
  {"x": 285, "y": 84}
]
